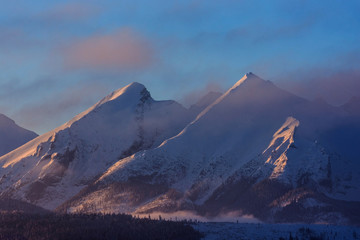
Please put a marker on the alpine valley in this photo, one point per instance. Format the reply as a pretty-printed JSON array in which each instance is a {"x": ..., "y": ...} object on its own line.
[{"x": 254, "y": 150}]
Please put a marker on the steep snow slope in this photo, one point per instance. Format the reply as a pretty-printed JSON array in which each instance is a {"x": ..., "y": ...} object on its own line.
[
  {"x": 55, "y": 166},
  {"x": 255, "y": 132},
  {"x": 11, "y": 135}
]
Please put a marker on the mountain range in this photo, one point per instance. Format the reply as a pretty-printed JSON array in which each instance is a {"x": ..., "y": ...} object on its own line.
[{"x": 254, "y": 150}]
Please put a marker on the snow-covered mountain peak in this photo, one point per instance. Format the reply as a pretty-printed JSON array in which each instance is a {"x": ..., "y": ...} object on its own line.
[
  {"x": 130, "y": 95},
  {"x": 133, "y": 89},
  {"x": 254, "y": 149},
  {"x": 249, "y": 74},
  {"x": 248, "y": 90},
  {"x": 250, "y": 81},
  {"x": 67, "y": 158},
  {"x": 248, "y": 78}
]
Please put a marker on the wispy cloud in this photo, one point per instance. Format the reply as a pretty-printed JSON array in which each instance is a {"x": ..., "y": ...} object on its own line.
[
  {"x": 54, "y": 14},
  {"x": 42, "y": 115},
  {"x": 12, "y": 38},
  {"x": 27, "y": 37},
  {"x": 15, "y": 90},
  {"x": 121, "y": 50},
  {"x": 258, "y": 33},
  {"x": 74, "y": 11}
]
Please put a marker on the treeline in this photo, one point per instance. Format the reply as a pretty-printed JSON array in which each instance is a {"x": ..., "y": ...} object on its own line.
[{"x": 20, "y": 226}]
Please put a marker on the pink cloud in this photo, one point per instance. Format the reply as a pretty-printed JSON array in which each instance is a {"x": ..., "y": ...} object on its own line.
[{"x": 121, "y": 50}]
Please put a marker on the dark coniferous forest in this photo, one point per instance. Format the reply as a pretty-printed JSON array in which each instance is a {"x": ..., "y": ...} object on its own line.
[{"x": 20, "y": 226}]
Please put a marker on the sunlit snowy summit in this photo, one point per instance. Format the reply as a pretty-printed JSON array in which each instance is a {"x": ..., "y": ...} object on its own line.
[{"x": 255, "y": 150}]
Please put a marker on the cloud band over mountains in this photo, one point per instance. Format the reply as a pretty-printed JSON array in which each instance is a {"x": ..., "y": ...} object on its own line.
[{"x": 124, "y": 49}]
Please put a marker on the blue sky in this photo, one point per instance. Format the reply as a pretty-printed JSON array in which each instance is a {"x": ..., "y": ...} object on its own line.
[{"x": 59, "y": 57}]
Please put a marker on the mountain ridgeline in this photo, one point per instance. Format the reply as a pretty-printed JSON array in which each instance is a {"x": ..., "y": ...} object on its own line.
[{"x": 255, "y": 150}]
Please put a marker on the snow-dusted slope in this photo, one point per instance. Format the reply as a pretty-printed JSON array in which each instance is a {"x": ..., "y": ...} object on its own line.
[
  {"x": 11, "y": 135},
  {"x": 254, "y": 136},
  {"x": 55, "y": 166}
]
